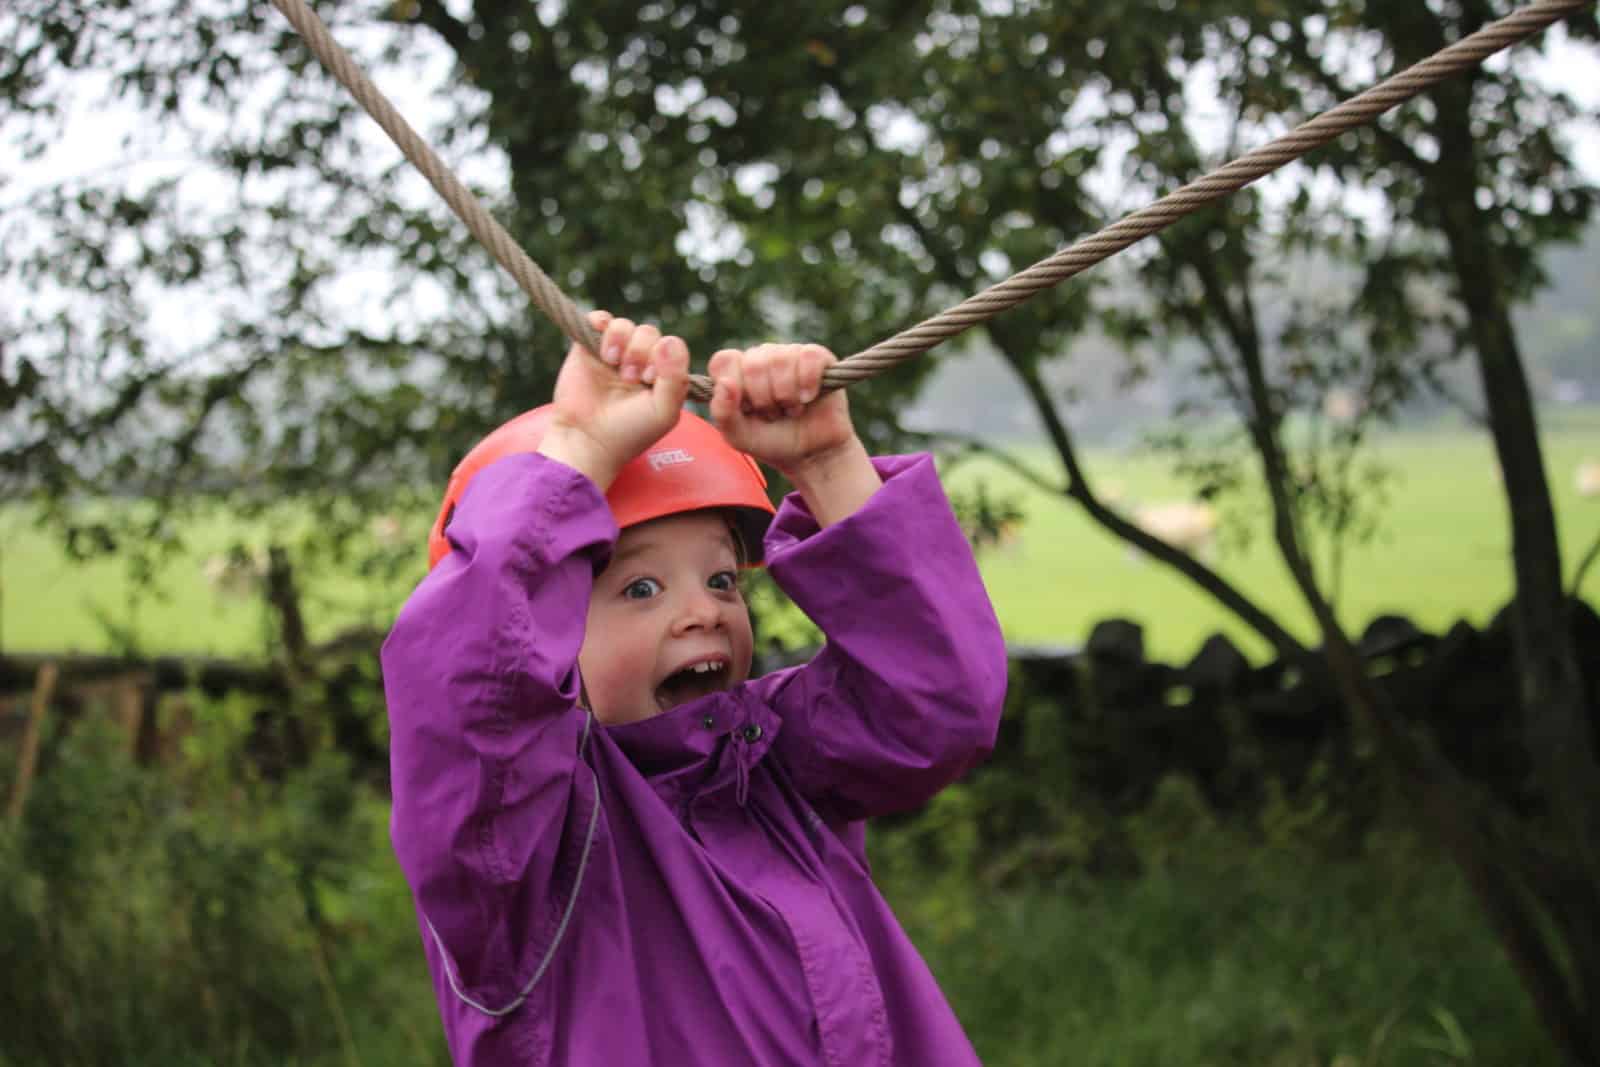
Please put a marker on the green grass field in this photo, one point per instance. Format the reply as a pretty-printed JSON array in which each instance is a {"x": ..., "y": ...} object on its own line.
[{"x": 1442, "y": 554}]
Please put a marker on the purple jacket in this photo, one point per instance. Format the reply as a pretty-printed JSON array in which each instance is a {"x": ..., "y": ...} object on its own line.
[{"x": 693, "y": 888}]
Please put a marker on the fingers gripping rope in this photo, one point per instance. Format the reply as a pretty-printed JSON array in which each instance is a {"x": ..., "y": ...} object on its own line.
[{"x": 1076, "y": 258}]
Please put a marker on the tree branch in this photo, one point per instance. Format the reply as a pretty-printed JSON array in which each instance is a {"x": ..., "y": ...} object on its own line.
[
  {"x": 1392, "y": 143},
  {"x": 454, "y": 33},
  {"x": 1078, "y": 487},
  {"x": 971, "y": 445},
  {"x": 1477, "y": 416}
]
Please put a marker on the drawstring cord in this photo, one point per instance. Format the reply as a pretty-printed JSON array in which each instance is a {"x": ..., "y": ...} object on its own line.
[
  {"x": 744, "y": 740},
  {"x": 741, "y": 771}
]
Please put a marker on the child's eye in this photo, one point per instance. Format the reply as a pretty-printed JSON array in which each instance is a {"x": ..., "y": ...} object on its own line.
[
  {"x": 723, "y": 582},
  {"x": 641, "y": 589}
]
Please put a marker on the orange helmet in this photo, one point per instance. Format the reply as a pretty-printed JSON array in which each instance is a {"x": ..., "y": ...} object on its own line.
[{"x": 690, "y": 469}]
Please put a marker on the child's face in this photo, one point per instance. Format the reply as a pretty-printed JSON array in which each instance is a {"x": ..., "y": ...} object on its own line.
[{"x": 667, "y": 622}]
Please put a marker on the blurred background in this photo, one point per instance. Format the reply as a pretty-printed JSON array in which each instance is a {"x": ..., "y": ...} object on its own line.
[{"x": 1290, "y": 513}]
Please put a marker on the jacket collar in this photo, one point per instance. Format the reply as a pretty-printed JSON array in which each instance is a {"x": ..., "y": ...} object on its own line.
[{"x": 700, "y": 746}]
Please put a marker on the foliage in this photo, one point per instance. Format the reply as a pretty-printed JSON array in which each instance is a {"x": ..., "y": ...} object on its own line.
[
  {"x": 1102, "y": 779},
  {"x": 197, "y": 913},
  {"x": 207, "y": 917},
  {"x": 1229, "y": 953},
  {"x": 832, "y": 171},
  {"x": 344, "y": 341}
]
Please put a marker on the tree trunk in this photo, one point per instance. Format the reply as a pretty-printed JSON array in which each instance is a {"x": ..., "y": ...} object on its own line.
[
  {"x": 1559, "y": 739},
  {"x": 1551, "y": 688}
]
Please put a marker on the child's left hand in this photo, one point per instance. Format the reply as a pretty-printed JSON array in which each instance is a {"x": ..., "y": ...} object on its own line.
[{"x": 766, "y": 403}]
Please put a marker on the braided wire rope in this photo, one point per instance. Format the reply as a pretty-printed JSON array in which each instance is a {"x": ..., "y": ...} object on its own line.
[{"x": 1074, "y": 259}]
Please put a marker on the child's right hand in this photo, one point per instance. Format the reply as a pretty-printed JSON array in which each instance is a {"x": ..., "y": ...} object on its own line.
[{"x": 605, "y": 415}]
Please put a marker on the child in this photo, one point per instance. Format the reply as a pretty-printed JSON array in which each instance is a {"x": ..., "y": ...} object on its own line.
[{"x": 623, "y": 852}]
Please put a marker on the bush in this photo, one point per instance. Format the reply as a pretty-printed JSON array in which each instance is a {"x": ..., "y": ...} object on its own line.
[
  {"x": 1223, "y": 951},
  {"x": 198, "y": 914}
]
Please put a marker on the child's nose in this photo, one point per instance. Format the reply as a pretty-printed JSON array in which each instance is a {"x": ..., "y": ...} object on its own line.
[{"x": 699, "y": 611}]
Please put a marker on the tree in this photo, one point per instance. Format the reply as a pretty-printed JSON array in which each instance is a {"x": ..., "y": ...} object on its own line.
[
  {"x": 1478, "y": 181},
  {"x": 340, "y": 340}
]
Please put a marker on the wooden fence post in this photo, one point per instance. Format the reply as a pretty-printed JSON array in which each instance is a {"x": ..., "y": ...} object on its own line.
[
  {"x": 43, "y": 689},
  {"x": 129, "y": 699}
]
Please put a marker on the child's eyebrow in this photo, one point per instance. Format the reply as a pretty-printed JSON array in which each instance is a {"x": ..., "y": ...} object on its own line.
[{"x": 639, "y": 548}]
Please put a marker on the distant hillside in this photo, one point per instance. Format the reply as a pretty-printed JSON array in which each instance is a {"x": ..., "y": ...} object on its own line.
[
  {"x": 974, "y": 392},
  {"x": 1561, "y": 330}
]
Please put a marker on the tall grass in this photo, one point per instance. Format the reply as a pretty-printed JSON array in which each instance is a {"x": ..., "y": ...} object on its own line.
[
  {"x": 1247, "y": 959},
  {"x": 1236, "y": 956},
  {"x": 198, "y": 914},
  {"x": 207, "y": 917}
]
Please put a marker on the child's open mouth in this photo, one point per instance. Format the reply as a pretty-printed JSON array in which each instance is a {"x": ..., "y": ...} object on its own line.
[{"x": 690, "y": 682}]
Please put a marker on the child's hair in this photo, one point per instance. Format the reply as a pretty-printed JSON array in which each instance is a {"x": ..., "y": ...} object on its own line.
[{"x": 741, "y": 551}]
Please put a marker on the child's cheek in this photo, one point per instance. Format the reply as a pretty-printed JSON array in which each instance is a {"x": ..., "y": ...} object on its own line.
[{"x": 630, "y": 660}]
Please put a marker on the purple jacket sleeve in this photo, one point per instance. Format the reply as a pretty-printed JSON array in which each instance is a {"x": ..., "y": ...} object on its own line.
[
  {"x": 491, "y": 796},
  {"x": 906, "y": 695}
]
